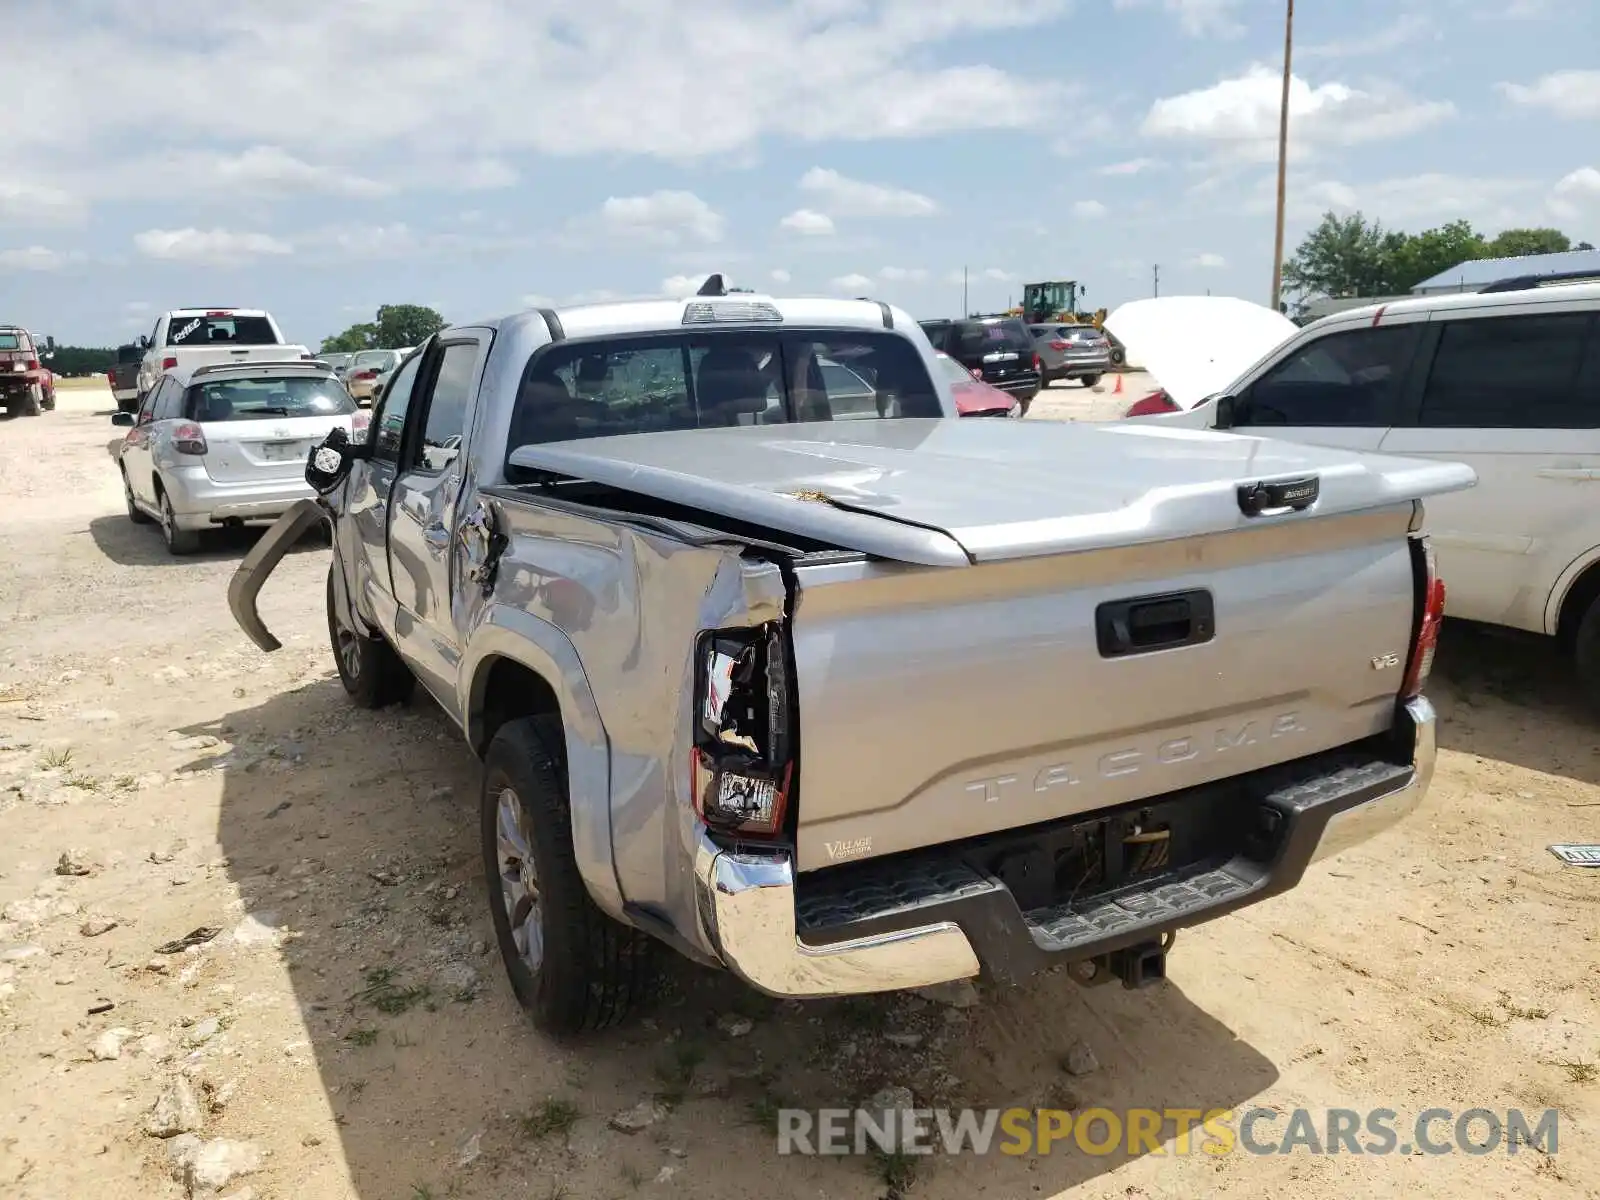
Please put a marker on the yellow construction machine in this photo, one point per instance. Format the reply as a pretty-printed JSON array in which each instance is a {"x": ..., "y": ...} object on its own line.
[{"x": 1056, "y": 301}]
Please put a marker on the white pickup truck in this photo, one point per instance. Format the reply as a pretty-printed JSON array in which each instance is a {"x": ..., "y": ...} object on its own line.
[{"x": 193, "y": 337}]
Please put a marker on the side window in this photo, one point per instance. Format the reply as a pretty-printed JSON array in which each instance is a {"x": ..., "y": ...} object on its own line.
[
  {"x": 447, "y": 406},
  {"x": 390, "y": 425},
  {"x": 1349, "y": 379},
  {"x": 169, "y": 406},
  {"x": 147, "y": 409},
  {"x": 1510, "y": 372}
]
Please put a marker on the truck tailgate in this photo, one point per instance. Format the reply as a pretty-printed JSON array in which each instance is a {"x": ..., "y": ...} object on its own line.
[{"x": 940, "y": 704}]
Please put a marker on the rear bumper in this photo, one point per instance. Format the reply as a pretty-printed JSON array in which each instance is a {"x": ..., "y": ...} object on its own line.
[
  {"x": 199, "y": 502},
  {"x": 913, "y": 923},
  {"x": 1075, "y": 367}
]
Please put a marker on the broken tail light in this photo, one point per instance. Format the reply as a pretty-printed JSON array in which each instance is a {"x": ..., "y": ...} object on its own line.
[
  {"x": 742, "y": 762},
  {"x": 1430, "y": 617}
]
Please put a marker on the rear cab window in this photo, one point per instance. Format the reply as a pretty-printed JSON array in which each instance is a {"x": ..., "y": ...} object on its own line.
[
  {"x": 266, "y": 399},
  {"x": 14, "y": 339},
  {"x": 702, "y": 380},
  {"x": 232, "y": 330}
]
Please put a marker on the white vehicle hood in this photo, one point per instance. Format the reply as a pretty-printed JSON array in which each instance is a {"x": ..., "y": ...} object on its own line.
[{"x": 1196, "y": 346}]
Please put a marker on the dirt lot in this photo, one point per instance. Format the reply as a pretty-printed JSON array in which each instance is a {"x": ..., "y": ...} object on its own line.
[{"x": 348, "y": 1033}]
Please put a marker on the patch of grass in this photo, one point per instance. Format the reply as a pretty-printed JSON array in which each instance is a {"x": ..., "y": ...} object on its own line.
[
  {"x": 421, "y": 1191},
  {"x": 763, "y": 1112},
  {"x": 557, "y": 1191},
  {"x": 555, "y": 1115},
  {"x": 357, "y": 1086},
  {"x": 1525, "y": 1014},
  {"x": 56, "y": 760},
  {"x": 1580, "y": 1072},
  {"x": 677, "y": 1072},
  {"x": 15, "y": 693},
  {"x": 898, "y": 1171},
  {"x": 632, "y": 1176},
  {"x": 84, "y": 783},
  {"x": 389, "y": 997},
  {"x": 362, "y": 1037},
  {"x": 402, "y": 1040},
  {"x": 126, "y": 782}
]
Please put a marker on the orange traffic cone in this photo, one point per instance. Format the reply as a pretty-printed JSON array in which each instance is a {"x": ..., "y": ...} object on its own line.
[{"x": 1117, "y": 391}]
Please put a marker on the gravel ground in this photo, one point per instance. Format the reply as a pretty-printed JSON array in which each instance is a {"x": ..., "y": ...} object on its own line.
[{"x": 244, "y": 948}]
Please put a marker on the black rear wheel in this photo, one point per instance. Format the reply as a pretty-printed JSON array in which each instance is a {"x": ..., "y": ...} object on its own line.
[
  {"x": 373, "y": 675},
  {"x": 571, "y": 966},
  {"x": 1586, "y": 654}
]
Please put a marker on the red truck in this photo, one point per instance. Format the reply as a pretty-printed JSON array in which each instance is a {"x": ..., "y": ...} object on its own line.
[{"x": 27, "y": 387}]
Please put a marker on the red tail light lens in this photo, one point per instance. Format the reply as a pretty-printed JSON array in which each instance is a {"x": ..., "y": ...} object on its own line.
[
  {"x": 189, "y": 438},
  {"x": 168, "y": 363},
  {"x": 741, "y": 767},
  {"x": 1035, "y": 362},
  {"x": 1430, "y": 619},
  {"x": 1156, "y": 402},
  {"x": 33, "y": 364},
  {"x": 1058, "y": 344}
]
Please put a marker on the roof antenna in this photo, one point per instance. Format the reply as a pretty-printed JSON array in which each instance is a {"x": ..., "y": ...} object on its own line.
[{"x": 713, "y": 286}]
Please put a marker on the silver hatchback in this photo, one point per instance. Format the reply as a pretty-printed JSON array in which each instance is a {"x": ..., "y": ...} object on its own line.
[
  {"x": 225, "y": 444},
  {"x": 1072, "y": 352}
]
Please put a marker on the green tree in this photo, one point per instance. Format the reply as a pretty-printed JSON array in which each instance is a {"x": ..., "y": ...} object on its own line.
[
  {"x": 357, "y": 337},
  {"x": 1424, "y": 255},
  {"x": 1510, "y": 243},
  {"x": 1343, "y": 256},
  {"x": 395, "y": 327}
]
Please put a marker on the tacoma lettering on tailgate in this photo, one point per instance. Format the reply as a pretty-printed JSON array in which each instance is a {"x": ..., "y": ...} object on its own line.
[{"x": 1118, "y": 764}]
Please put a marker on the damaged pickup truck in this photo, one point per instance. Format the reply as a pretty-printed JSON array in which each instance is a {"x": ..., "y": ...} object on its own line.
[{"x": 846, "y": 695}]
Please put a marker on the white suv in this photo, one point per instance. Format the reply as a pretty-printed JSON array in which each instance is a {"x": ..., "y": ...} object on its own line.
[{"x": 1506, "y": 380}]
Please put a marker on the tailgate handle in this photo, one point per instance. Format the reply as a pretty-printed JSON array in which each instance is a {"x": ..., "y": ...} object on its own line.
[
  {"x": 1278, "y": 496},
  {"x": 1146, "y": 623}
]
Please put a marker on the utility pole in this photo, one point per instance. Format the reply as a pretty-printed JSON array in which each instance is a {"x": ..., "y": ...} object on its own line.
[
  {"x": 1155, "y": 280},
  {"x": 1283, "y": 156}
]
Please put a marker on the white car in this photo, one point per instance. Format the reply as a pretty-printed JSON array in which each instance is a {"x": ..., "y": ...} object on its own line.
[
  {"x": 225, "y": 444},
  {"x": 1506, "y": 380},
  {"x": 186, "y": 338},
  {"x": 369, "y": 370}
]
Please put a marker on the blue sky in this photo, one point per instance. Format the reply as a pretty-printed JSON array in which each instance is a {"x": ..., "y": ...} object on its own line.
[{"x": 322, "y": 157}]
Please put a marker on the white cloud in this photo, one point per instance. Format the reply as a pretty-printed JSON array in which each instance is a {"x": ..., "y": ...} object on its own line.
[
  {"x": 1576, "y": 194},
  {"x": 1089, "y": 209},
  {"x": 484, "y": 174},
  {"x": 1572, "y": 94},
  {"x": 780, "y": 276},
  {"x": 397, "y": 240},
  {"x": 807, "y": 222},
  {"x": 259, "y": 171},
  {"x": 1199, "y": 18},
  {"x": 32, "y": 258},
  {"x": 903, "y": 275},
  {"x": 678, "y": 286},
  {"x": 845, "y": 197},
  {"x": 851, "y": 283},
  {"x": 606, "y": 77},
  {"x": 1132, "y": 166},
  {"x": 663, "y": 218},
  {"x": 209, "y": 247},
  {"x": 1000, "y": 276},
  {"x": 1240, "y": 115},
  {"x": 23, "y": 203},
  {"x": 1389, "y": 38},
  {"x": 1210, "y": 262},
  {"x": 1409, "y": 201}
]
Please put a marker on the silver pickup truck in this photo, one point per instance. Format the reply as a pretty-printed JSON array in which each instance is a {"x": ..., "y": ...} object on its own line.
[{"x": 846, "y": 694}]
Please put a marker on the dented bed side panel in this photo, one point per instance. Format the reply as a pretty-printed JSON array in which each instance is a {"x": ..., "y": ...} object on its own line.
[{"x": 631, "y": 603}]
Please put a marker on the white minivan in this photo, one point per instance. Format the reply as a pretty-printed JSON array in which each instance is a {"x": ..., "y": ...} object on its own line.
[{"x": 1506, "y": 380}]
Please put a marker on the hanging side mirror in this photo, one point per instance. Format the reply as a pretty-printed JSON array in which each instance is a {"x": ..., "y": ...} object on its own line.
[
  {"x": 1227, "y": 412},
  {"x": 329, "y": 463}
]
